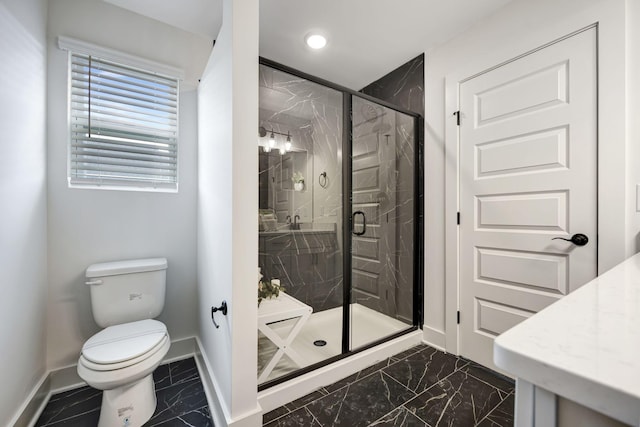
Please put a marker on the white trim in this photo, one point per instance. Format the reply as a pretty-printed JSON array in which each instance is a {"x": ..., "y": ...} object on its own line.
[
  {"x": 34, "y": 404},
  {"x": 451, "y": 207},
  {"x": 217, "y": 406},
  {"x": 435, "y": 338},
  {"x": 280, "y": 394},
  {"x": 78, "y": 46}
]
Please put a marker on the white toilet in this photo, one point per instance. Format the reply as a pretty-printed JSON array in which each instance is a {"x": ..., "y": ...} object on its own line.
[{"x": 120, "y": 359}]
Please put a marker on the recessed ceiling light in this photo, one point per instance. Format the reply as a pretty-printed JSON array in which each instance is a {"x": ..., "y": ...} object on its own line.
[{"x": 315, "y": 41}]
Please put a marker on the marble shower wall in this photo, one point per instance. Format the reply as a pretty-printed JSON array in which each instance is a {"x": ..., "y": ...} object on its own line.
[{"x": 403, "y": 87}]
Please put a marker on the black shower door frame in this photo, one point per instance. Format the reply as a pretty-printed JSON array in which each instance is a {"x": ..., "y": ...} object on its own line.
[{"x": 418, "y": 237}]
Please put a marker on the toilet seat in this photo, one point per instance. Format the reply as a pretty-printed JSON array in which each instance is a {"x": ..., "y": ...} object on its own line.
[
  {"x": 119, "y": 346},
  {"x": 121, "y": 365},
  {"x": 107, "y": 376}
]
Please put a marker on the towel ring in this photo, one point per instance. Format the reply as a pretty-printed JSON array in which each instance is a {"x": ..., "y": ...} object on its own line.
[{"x": 322, "y": 180}]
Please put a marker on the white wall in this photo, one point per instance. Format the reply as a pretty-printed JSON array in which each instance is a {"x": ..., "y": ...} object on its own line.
[
  {"x": 521, "y": 26},
  {"x": 228, "y": 211},
  {"x": 88, "y": 226},
  {"x": 632, "y": 27},
  {"x": 23, "y": 222}
]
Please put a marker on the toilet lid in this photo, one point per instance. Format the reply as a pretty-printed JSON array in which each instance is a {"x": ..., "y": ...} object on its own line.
[{"x": 120, "y": 343}]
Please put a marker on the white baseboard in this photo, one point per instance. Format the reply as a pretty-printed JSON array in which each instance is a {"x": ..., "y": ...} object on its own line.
[
  {"x": 34, "y": 404},
  {"x": 217, "y": 408},
  {"x": 435, "y": 338},
  {"x": 280, "y": 394},
  {"x": 67, "y": 378}
]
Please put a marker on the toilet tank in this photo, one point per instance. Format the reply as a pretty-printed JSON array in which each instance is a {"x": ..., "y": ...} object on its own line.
[{"x": 126, "y": 291}]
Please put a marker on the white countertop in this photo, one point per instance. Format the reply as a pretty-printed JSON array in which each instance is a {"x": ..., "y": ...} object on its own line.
[{"x": 586, "y": 346}]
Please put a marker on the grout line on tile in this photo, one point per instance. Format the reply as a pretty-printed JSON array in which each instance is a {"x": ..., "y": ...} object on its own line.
[{"x": 403, "y": 386}]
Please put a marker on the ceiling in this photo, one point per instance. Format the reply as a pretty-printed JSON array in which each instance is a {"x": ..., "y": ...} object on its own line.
[{"x": 366, "y": 38}]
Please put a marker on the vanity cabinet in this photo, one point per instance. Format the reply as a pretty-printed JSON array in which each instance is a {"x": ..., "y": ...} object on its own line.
[
  {"x": 306, "y": 263},
  {"x": 576, "y": 362}
]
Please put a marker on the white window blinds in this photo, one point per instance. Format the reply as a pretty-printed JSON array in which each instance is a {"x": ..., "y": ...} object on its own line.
[{"x": 124, "y": 125}]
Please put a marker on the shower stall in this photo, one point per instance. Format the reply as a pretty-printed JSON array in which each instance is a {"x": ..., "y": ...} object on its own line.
[{"x": 340, "y": 222}]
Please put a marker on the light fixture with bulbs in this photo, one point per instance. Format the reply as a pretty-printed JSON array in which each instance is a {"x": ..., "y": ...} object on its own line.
[
  {"x": 287, "y": 144},
  {"x": 272, "y": 143},
  {"x": 315, "y": 41}
]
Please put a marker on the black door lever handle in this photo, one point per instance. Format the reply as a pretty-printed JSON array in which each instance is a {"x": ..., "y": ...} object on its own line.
[{"x": 576, "y": 239}]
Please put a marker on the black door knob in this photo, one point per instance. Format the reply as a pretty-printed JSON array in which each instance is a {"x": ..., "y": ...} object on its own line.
[{"x": 576, "y": 239}]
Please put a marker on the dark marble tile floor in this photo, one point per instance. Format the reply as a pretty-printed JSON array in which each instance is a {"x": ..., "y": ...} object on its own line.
[
  {"x": 181, "y": 401},
  {"x": 419, "y": 387}
]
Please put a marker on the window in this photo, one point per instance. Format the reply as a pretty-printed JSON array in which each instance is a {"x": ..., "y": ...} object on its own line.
[{"x": 123, "y": 126}]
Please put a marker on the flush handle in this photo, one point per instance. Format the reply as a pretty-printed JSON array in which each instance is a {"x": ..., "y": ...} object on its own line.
[
  {"x": 93, "y": 282},
  {"x": 576, "y": 239}
]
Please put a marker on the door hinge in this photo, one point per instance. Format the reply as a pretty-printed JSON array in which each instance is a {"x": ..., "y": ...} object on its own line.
[
  {"x": 457, "y": 114},
  {"x": 458, "y": 318},
  {"x": 458, "y": 218}
]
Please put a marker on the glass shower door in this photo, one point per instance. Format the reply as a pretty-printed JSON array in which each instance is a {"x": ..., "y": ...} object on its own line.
[
  {"x": 300, "y": 224},
  {"x": 382, "y": 219}
]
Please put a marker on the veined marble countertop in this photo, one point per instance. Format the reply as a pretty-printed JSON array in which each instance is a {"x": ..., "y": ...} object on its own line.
[{"x": 586, "y": 346}]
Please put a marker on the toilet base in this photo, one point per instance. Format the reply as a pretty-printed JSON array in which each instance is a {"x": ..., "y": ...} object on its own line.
[{"x": 130, "y": 405}]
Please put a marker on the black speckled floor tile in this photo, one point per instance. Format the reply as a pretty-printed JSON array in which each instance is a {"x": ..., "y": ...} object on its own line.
[
  {"x": 357, "y": 376},
  {"x": 177, "y": 400},
  {"x": 423, "y": 369},
  {"x": 274, "y": 415},
  {"x": 458, "y": 400},
  {"x": 299, "y": 417},
  {"x": 361, "y": 402},
  {"x": 400, "y": 417},
  {"x": 69, "y": 404},
  {"x": 502, "y": 416},
  {"x": 161, "y": 377},
  {"x": 183, "y": 370},
  {"x": 88, "y": 419},
  {"x": 448, "y": 390},
  {"x": 507, "y": 385},
  {"x": 197, "y": 418},
  {"x": 181, "y": 401}
]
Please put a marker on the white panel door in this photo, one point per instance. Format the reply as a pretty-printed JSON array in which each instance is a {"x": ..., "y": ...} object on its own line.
[{"x": 528, "y": 174}]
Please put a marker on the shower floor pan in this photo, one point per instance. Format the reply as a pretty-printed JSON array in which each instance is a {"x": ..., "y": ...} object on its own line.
[{"x": 367, "y": 325}]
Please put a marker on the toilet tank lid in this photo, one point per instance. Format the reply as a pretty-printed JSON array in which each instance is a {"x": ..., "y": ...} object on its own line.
[{"x": 126, "y": 267}]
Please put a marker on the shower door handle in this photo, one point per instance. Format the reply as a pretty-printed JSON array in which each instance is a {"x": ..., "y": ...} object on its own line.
[{"x": 353, "y": 223}]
